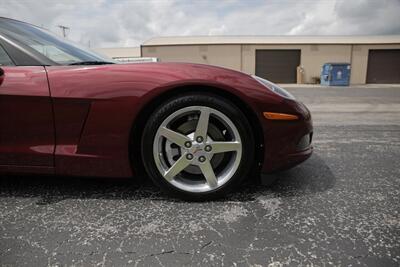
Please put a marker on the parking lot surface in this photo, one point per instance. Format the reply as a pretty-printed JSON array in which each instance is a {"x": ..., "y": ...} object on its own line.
[{"x": 341, "y": 207}]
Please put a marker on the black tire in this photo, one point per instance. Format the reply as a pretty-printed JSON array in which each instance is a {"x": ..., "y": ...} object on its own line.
[{"x": 199, "y": 99}]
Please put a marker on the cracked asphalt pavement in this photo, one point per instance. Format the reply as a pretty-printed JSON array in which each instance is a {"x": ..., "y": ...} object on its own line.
[{"x": 341, "y": 207}]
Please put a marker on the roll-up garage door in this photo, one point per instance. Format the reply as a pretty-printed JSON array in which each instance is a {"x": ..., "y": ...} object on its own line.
[
  {"x": 277, "y": 65},
  {"x": 383, "y": 66}
]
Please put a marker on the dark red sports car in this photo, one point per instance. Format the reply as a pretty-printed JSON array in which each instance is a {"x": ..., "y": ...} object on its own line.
[{"x": 197, "y": 131}]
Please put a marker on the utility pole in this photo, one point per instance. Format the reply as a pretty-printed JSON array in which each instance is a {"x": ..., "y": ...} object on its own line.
[{"x": 63, "y": 29}]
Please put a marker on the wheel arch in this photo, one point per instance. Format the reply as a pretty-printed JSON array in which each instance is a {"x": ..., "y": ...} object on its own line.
[{"x": 146, "y": 111}]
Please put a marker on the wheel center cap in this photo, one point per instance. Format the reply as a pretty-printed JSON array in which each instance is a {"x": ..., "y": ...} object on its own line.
[{"x": 197, "y": 147}]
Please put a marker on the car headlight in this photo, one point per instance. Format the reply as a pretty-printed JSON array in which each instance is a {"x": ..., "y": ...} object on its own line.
[{"x": 274, "y": 88}]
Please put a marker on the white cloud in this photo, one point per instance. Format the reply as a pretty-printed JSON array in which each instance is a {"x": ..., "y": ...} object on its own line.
[
  {"x": 107, "y": 23},
  {"x": 218, "y": 31}
]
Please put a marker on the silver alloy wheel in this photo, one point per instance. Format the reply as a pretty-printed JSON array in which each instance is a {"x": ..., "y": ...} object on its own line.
[{"x": 197, "y": 149}]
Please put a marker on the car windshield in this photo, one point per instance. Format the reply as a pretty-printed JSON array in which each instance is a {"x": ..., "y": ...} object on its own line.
[{"x": 56, "y": 48}]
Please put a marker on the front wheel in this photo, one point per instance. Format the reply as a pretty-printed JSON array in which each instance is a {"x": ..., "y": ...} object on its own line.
[{"x": 198, "y": 146}]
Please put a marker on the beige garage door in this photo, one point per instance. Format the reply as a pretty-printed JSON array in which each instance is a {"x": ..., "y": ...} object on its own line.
[
  {"x": 277, "y": 65},
  {"x": 383, "y": 66}
]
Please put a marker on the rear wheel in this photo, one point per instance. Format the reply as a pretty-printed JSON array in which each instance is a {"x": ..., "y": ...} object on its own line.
[{"x": 198, "y": 146}]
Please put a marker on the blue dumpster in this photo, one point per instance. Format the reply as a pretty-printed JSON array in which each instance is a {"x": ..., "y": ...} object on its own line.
[{"x": 335, "y": 74}]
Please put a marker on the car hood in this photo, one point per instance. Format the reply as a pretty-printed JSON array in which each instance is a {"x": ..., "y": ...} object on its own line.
[{"x": 187, "y": 69}]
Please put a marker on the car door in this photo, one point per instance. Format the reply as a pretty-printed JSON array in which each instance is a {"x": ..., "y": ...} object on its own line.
[{"x": 27, "y": 135}]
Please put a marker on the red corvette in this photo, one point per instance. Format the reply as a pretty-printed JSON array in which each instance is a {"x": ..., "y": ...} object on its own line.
[{"x": 197, "y": 131}]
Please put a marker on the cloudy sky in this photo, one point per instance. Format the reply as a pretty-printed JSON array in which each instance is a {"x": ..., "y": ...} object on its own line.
[{"x": 112, "y": 23}]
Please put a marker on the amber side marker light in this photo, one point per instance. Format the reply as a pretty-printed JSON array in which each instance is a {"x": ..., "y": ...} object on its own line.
[{"x": 280, "y": 116}]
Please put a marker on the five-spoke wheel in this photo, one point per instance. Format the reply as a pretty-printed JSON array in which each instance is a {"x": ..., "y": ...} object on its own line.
[{"x": 197, "y": 148}]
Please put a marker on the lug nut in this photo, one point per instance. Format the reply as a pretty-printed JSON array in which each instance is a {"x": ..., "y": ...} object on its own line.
[
  {"x": 208, "y": 148},
  {"x": 202, "y": 158},
  {"x": 189, "y": 156},
  {"x": 188, "y": 144},
  {"x": 199, "y": 139}
]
